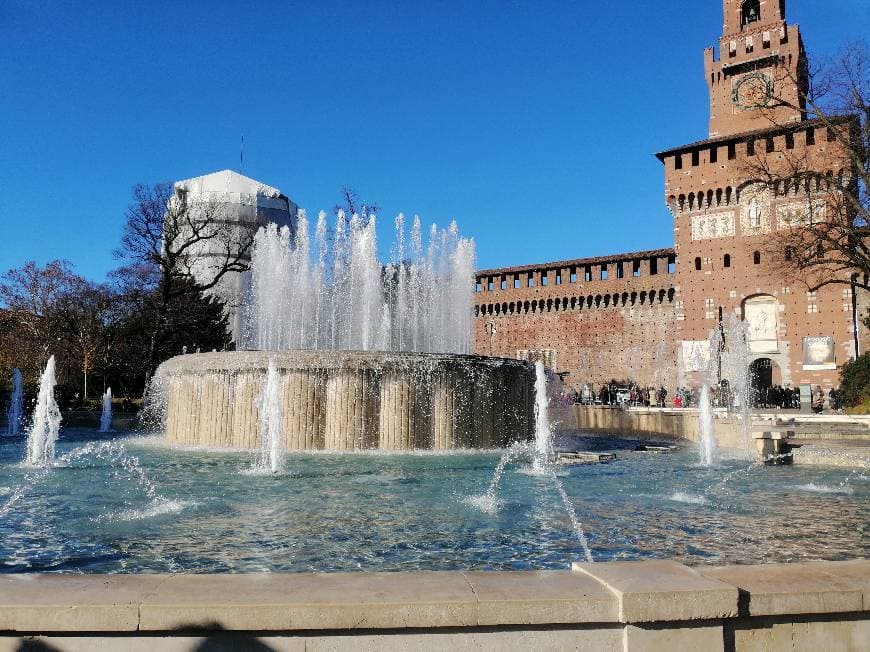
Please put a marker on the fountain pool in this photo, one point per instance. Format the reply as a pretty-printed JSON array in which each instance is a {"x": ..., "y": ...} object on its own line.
[{"x": 139, "y": 505}]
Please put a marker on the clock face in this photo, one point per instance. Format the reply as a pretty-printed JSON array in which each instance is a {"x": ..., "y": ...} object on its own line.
[{"x": 752, "y": 91}]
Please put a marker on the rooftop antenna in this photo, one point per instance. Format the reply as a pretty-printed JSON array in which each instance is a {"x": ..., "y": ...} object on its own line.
[{"x": 242, "y": 154}]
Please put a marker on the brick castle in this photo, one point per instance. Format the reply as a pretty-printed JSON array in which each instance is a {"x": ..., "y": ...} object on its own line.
[{"x": 646, "y": 316}]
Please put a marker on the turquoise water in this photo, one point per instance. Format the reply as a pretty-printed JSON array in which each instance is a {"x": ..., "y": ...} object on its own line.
[{"x": 132, "y": 505}]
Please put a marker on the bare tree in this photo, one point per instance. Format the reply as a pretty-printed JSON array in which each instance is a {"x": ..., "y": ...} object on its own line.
[
  {"x": 178, "y": 245},
  {"x": 351, "y": 204},
  {"x": 827, "y": 241}
]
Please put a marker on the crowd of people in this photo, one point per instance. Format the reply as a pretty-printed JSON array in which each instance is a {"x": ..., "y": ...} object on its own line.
[{"x": 775, "y": 397}]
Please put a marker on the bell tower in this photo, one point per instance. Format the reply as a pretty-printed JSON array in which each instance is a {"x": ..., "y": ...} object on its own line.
[{"x": 759, "y": 78}]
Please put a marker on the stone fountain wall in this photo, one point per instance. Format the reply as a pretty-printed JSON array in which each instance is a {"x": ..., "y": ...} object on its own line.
[{"x": 351, "y": 400}]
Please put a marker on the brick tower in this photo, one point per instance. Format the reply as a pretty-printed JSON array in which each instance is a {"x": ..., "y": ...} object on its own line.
[
  {"x": 725, "y": 214},
  {"x": 760, "y": 58}
]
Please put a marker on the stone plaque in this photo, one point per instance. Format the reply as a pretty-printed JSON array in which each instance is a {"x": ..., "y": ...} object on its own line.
[
  {"x": 713, "y": 225},
  {"x": 696, "y": 355},
  {"x": 760, "y": 316}
]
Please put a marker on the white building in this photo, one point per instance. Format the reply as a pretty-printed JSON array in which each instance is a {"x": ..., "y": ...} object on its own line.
[{"x": 247, "y": 203}]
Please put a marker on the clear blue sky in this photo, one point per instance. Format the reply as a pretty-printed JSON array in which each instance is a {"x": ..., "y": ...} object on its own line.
[{"x": 532, "y": 123}]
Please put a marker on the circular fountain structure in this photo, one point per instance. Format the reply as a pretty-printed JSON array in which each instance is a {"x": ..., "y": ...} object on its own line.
[{"x": 350, "y": 400}]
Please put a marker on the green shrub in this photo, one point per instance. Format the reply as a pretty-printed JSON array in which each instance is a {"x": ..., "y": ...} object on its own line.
[{"x": 855, "y": 381}]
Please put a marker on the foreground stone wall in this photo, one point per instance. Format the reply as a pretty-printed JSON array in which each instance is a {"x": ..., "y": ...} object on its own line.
[
  {"x": 617, "y": 606},
  {"x": 339, "y": 400}
]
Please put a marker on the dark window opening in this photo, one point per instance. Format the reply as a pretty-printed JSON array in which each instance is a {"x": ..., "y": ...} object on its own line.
[
  {"x": 587, "y": 274},
  {"x": 490, "y": 286},
  {"x": 698, "y": 264},
  {"x": 678, "y": 162},
  {"x": 653, "y": 266},
  {"x": 750, "y": 12},
  {"x": 789, "y": 141},
  {"x": 620, "y": 270},
  {"x": 604, "y": 273},
  {"x": 811, "y": 136},
  {"x": 714, "y": 154},
  {"x": 635, "y": 268},
  {"x": 789, "y": 253},
  {"x": 558, "y": 279},
  {"x": 504, "y": 284},
  {"x": 516, "y": 283},
  {"x": 696, "y": 158},
  {"x": 672, "y": 265},
  {"x": 544, "y": 280},
  {"x": 768, "y": 143},
  {"x": 750, "y": 148},
  {"x": 756, "y": 258},
  {"x": 726, "y": 260},
  {"x": 732, "y": 151},
  {"x": 530, "y": 281}
]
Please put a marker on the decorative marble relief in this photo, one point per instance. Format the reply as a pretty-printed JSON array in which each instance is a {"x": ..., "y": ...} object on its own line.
[
  {"x": 800, "y": 213},
  {"x": 713, "y": 225}
]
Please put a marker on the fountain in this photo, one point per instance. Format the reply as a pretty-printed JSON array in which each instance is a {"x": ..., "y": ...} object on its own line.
[
  {"x": 707, "y": 449},
  {"x": 543, "y": 431},
  {"x": 106, "y": 416},
  {"x": 735, "y": 366},
  {"x": 15, "y": 411},
  {"x": 271, "y": 456},
  {"x": 46, "y": 421},
  {"x": 367, "y": 355}
]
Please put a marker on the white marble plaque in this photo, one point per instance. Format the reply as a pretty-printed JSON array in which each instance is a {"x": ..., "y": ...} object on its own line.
[
  {"x": 760, "y": 316},
  {"x": 713, "y": 225},
  {"x": 696, "y": 355}
]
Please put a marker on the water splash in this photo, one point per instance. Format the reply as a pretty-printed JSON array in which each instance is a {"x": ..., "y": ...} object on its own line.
[
  {"x": 106, "y": 416},
  {"x": 338, "y": 295},
  {"x": 707, "y": 448},
  {"x": 543, "y": 430},
  {"x": 15, "y": 411},
  {"x": 735, "y": 367},
  {"x": 271, "y": 455},
  {"x": 46, "y": 421}
]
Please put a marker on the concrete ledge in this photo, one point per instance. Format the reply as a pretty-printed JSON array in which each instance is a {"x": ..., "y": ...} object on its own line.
[
  {"x": 663, "y": 590},
  {"x": 811, "y": 588},
  {"x": 656, "y": 604}
]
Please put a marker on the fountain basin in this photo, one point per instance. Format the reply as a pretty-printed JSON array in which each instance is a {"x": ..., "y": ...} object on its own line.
[{"x": 350, "y": 400}]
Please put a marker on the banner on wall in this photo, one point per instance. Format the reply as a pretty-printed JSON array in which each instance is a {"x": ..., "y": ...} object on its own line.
[{"x": 819, "y": 353}]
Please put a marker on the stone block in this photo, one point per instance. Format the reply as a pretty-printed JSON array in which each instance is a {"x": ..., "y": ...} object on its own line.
[
  {"x": 61, "y": 603},
  {"x": 779, "y": 589},
  {"x": 639, "y": 638},
  {"x": 295, "y": 601},
  {"x": 541, "y": 597},
  {"x": 663, "y": 590}
]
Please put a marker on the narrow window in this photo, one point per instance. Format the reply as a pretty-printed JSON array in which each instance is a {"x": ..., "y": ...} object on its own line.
[
  {"x": 732, "y": 151},
  {"x": 544, "y": 279},
  {"x": 789, "y": 141},
  {"x": 726, "y": 260},
  {"x": 516, "y": 282},
  {"x": 653, "y": 266},
  {"x": 672, "y": 265},
  {"x": 530, "y": 280},
  {"x": 750, "y": 148},
  {"x": 573, "y": 274},
  {"x": 678, "y": 162},
  {"x": 587, "y": 273},
  {"x": 635, "y": 268},
  {"x": 696, "y": 158},
  {"x": 558, "y": 278},
  {"x": 604, "y": 272},
  {"x": 714, "y": 154},
  {"x": 490, "y": 286},
  {"x": 756, "y": 258},
  {"x": 478, "y": 286},
  {"x": 698, "y": 264},
  {"x": 620, "y": 270},
  {"x": 768, "y": 143},
  {"x": 811, "y": 136}
]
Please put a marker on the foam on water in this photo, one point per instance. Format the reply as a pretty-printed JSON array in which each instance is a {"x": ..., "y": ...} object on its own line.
[
  {"x": 685, "y": 497},
  {"x": 825, "y": 489}
]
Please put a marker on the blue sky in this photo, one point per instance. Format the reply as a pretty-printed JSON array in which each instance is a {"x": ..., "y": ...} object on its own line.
[{"x": 533, "y": 124}]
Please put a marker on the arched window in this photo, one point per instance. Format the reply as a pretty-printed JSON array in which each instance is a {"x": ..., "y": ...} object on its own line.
[
  {"x": 726, "y": 261},
  {"x": 756, "y": 258},
  {"x": 698, "y": 264},
  {"x": 750, "y": 12}
]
